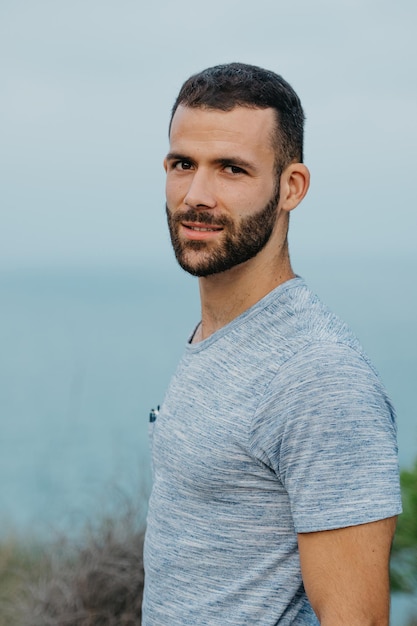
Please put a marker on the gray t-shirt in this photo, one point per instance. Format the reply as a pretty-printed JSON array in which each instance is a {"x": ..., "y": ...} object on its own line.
[{"x": 276, "y": 424}]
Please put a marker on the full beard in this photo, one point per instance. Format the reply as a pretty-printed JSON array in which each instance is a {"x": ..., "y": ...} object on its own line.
[{"x": 241, "y": 241}]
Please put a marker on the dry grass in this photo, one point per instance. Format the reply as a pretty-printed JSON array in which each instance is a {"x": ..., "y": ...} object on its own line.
[
  {"x": 17, "y": 559},
  {"x": 94, "y": 581}
]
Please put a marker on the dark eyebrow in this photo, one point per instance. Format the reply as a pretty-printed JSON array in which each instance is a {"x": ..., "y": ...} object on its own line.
[{"x": 176, "y": 156}]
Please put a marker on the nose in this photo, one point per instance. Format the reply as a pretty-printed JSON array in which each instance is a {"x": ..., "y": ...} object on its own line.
[{"x": 200, "y": 193}]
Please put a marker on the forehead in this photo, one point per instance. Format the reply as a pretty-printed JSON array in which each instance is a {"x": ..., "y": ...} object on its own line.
[{"x": 243, "y": 128}]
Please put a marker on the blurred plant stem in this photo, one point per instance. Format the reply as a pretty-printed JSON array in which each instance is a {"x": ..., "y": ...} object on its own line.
[{"x": 404, "y": 549}]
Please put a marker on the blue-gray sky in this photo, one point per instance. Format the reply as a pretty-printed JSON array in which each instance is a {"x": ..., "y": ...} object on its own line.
[{"x": 86, "y": 91}]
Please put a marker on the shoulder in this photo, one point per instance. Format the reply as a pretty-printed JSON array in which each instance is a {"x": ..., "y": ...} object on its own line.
[
  {"x": 326, "y": 384},
  {"x": 292, "y": 318}
]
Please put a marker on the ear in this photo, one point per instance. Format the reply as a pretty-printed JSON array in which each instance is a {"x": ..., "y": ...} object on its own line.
[
  {"x": 165, "y": 165},
  {"x": 294, "y": 184}
]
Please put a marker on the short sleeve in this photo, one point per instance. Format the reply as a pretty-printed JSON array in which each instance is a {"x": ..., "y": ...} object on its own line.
[{"x": 326, "y": 427}]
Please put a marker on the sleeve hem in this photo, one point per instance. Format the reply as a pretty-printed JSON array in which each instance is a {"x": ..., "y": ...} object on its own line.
[{"x": 337, "y": 522}]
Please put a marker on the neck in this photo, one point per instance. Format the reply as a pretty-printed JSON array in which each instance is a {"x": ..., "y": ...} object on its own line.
[{"x": 227, "y": 295}]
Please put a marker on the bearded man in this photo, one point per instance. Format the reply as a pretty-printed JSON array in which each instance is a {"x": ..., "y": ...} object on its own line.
[{"x": 274, "y": 452}]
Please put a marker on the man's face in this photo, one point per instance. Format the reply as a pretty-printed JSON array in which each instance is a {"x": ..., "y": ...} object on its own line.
[{"x": 222, "y": 187}]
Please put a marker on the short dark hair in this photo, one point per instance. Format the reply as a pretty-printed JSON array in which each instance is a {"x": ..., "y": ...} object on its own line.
[{"x": 224, "y": 87}]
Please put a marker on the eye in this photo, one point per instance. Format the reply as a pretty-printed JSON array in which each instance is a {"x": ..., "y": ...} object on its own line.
[
  {"x": 181, "y": 165},
  {"x": 234, "y": 169}
]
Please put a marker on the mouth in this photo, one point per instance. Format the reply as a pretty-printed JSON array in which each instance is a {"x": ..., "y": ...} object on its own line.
[
  {"x": 203, "y": 229},
  {"x": 199, "y": 231}
]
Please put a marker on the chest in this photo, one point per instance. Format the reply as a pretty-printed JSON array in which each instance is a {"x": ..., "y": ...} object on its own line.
[{"x": 202, "y": 438}]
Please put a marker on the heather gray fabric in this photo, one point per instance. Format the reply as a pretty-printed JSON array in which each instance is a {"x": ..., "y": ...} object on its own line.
[{"x": 274, "y": 425}]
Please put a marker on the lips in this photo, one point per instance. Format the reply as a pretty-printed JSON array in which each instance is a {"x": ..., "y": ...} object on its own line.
[
  {"x": 201, "y": 228},
  {"x": 200, "y": 231}
]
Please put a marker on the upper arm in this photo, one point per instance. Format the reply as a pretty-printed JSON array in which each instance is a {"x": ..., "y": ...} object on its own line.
[
  {"x": 346, "y": 573},
  {"x": 327, "y": 429}
]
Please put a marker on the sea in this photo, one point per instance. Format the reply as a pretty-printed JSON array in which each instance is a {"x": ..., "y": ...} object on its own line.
[{"x": 86, "y": 353}]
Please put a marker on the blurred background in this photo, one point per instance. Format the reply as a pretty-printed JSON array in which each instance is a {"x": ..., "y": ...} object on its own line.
[{"x": 94, "y": 312}]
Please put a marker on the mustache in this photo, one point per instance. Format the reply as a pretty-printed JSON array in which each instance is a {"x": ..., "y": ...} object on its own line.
[{"x": 199, "y": 217}]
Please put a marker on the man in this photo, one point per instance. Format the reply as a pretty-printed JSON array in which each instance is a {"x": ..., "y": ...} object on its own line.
[{"x": 274, "y": 453}]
